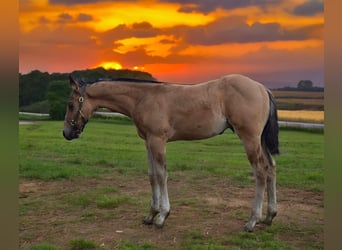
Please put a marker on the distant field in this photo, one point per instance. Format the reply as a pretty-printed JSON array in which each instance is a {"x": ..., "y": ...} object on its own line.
[
  {"x": 299, "y": 100},
  {"x": 298, "y": 94},
  {"x": 314, "y": 116}
]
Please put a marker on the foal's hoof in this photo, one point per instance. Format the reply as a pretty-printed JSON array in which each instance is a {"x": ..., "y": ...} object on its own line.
[
  {"x": 269, "y": 218},
  {"x": 248, "y": 228},
  {"x": 148, "y": 220},
  {"x": 159, "y": 223},
  {"x": 160, "y": 219}
]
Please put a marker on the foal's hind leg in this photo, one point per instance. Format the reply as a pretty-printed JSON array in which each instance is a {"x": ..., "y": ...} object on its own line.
[
  {"x": 271, "y": 190},
  {"x": 255, "y": 157}
]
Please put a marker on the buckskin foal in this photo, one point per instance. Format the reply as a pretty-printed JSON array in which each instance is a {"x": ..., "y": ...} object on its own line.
[{"x": 168, "y": 112}]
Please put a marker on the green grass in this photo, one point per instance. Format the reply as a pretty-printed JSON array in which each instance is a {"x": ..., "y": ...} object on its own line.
[
  {"x": 106, "y": 201},
  {"x": 300, "y": 164},
  {"x": 127, "y": 245},
  {"x": 112, "y": 146},
  {"x": 26, "y": 117},
  {"x": 44, "y": 246},
  {"x": 107, "y": 145},
  {"x": 260, "y": 240},
  {"x": 42, "y": 146},
  {"x": 82, "y": 244},
  {"x": 75, "y": 244}
]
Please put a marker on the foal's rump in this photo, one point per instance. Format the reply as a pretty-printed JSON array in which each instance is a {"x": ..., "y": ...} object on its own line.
[
  {"x": 250, "y": 109},
  {"x": 245, "y": 103}
]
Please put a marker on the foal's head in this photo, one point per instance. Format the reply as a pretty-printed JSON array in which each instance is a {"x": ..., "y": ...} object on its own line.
[{"x": 78, "y": 111}]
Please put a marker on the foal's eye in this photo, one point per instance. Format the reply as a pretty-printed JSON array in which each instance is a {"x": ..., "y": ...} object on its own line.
[{"x": 70, "y": 105}]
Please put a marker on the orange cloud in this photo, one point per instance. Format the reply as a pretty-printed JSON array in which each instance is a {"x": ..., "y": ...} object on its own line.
[
  {"x": 154, "y": 46},
  {"x": 236, "y": 49},
  {"x": 106, "y": 15}
]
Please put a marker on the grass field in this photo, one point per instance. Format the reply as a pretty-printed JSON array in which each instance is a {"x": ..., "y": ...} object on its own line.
[{"x": 93, "y": 192}]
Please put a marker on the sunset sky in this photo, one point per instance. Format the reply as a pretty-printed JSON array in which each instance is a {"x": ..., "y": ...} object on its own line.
[{"x": 277, "y": 42}]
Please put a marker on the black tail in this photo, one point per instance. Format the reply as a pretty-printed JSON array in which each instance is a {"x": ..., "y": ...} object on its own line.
[{"x": 269, "y": 135}]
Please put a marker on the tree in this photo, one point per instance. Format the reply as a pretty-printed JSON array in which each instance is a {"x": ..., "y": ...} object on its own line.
[
  {"x": 305, "y": 84},
  {"x": 32, "y": 87},
  {"x": 58, "y": 93}
]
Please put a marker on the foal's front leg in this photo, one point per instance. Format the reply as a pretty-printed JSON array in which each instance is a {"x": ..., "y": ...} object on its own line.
[{"x": 160, "y": 205}]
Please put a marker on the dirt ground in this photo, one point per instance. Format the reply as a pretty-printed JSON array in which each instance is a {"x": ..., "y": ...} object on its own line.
[{"x": 209, "y": 205}]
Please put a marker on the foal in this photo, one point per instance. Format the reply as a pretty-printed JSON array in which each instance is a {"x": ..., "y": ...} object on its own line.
[{"x": 170, "y": 112}]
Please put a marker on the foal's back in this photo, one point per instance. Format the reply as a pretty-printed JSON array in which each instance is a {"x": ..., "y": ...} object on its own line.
[{"x": 186, "y": 112}]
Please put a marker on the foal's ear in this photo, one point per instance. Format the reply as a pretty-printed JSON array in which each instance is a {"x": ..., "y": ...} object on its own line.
[{"x": 73, "y": 83}]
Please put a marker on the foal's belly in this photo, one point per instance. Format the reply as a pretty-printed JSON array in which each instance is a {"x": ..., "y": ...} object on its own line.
[{"x": 197, "y": 129}]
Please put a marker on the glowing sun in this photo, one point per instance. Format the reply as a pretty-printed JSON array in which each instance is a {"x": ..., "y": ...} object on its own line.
[{"x": 110, "y": 65}]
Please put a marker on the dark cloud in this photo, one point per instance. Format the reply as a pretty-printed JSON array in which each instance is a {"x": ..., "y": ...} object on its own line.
[
  {"x": 68, "y": 2},
  {"x": 142, "y": 26},
  {"x": 137, "y": 57},
  {"x": 74, "y": 2},
  {"x": 306, "y": 63},
  {"x": 63, "y": 35},
  {"x": 309, "y": 8},
  {"x": 122, "y": 31},
  {"x": 84, "y": 17},
  {"x": 204, "y": 6},
  {"x": 314, "y": 31},
  {"x": 235, "y": 30},
  {"x": 167, "y": 41},
  {"x": 207, "y": 6},
  {"x": 64, "y": 17},
  {"x": 67, "y": 18},
  {"x": 43, "y": 20}
]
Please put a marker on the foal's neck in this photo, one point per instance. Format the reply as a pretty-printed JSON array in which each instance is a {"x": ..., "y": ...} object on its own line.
[{"x": 118, "y": 97}]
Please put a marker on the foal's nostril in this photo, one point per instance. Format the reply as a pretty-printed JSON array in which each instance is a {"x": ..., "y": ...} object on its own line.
[{"x": 65, "y": 136}]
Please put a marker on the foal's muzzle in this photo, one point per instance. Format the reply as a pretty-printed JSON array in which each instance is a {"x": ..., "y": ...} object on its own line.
[
  {"x": 70, "y": 135},
  {"x": 73, "y": 131}
]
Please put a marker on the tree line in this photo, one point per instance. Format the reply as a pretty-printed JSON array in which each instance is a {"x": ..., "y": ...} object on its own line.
[
  {"x": 304, "y": 85},
  {"x": 49, "y": 92}
]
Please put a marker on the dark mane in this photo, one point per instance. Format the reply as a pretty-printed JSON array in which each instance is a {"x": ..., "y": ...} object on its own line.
[
  {"x": 135, "y": 80},
  {"x": 121, "y": 79}
]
